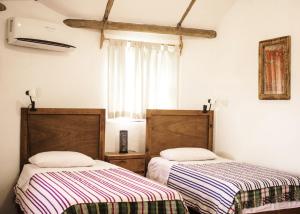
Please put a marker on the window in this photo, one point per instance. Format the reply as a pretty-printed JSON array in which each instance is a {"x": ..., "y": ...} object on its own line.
[{"x": 141, "y": 75}]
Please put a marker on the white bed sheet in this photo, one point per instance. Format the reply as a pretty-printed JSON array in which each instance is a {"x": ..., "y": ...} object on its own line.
[
  {"x": 159, "y": 170},
  {"x": 30, "y": 169}
]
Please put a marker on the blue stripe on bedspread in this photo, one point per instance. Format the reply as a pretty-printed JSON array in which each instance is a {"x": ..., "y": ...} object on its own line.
[
  {"x": 208, "y": 194},
  {"x": 227, "y": 187}
]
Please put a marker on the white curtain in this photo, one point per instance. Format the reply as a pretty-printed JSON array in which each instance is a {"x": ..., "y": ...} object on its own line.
[{"x": 141, "y": 76}]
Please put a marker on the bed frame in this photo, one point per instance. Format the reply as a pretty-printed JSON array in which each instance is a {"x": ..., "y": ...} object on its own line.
[
  {"x": 183, "y": 128},
  {"x": 54, "y": 129},
  {"x": 177, "y": 128}
]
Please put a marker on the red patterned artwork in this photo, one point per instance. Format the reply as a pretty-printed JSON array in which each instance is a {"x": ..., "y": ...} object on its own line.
[{"x": 274, "y": 68}]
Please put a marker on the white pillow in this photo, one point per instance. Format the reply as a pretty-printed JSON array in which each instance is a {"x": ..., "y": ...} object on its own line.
[
  {"x": 187, "y": 154},
  {"x": 61, "y": 159}
]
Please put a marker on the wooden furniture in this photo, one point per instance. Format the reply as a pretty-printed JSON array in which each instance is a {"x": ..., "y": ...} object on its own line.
[
  {"x": 133, "y": 161},
  {"x": 122, "y": 26},
  {"x": 105, "y": 24},
  {"x": 177, "y": 128},
  {"x": 53, "y": 129},
  {"x": 82, "y": 130},
  {"x": 183, "y": 128}
]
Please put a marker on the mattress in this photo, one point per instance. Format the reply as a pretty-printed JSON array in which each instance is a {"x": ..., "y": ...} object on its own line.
[
  {"x": 159, "y": 168},
  {"x": 103, "y": 188},
  {"x": 178, "y": 175}
]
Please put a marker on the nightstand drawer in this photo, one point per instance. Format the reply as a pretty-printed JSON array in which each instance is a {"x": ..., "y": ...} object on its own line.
[
  {"x": 133, "y": 161},
  {"x": 135, "y": 165}
]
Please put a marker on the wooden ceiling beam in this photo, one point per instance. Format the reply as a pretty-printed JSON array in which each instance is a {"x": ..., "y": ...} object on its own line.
[
  {"x": 108, "y": 9},
  {"x": 186, "y": 12},
  {"x": 104, "y": 20},
  {"x": 2, "y": 7},
  {"x": 121, "y": 26},
  {"x": 102, "y": 38},
  {"x": 181, "y": 21}
]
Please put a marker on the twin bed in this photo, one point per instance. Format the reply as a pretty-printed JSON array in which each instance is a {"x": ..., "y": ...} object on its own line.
[
  {"x": 101, "y": 188},
  {"x": 213, "y": 185},
  {"x": 106, "y": 188}
]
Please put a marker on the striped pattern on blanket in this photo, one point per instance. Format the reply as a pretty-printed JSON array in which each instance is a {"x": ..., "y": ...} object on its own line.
[
  {"x": 146, "y": 207},
  {"x": 230, "y": 187},
  {"x": 54, "y": 192}
]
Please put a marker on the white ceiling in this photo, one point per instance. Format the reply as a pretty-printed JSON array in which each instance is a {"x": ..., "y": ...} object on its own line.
[{"x": 204, "y": 14}]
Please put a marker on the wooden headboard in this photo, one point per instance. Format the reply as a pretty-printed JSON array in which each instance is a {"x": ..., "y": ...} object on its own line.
[
  {"x": 52, "y": 129},
  {"x": 177, "y": 128}
]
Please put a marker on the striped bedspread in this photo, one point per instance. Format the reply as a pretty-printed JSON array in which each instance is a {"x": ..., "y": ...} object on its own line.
[
  {"x": 114, "y": 190},
  {"x": 230, "y": 187}
]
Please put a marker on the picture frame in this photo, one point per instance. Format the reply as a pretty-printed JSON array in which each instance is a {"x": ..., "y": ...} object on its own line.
[{"x": 274, "y": 69}]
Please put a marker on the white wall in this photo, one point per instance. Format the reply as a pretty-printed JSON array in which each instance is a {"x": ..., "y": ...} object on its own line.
[
  {"x": 264, "y": 132},
  {"x": 58, "y": 78},
  {"x": 248, "y": 129},
  {"x": 76, "y": 80}
]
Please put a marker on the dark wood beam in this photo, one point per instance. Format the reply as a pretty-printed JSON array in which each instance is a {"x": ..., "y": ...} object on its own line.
[
  {"x": 186, "y": 12},
  {"x": 180, "y": 44},
  {"x": 107, "y": 9},
  {"x": 102, "y": 38},
  {"x": 121, "y": 26},
  {"x": 105, "y": 18},
  {"x": 2, "y": 7},
  {"x": 180, "y": 23}
]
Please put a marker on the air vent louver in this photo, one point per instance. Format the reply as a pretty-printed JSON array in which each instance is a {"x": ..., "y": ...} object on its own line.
[
  {"x": 45, "y": 42},
  {"x": 34, "y": 33}
]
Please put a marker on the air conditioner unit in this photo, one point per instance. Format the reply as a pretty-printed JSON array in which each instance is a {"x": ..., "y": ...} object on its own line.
[{"x": 37, "y": 34}]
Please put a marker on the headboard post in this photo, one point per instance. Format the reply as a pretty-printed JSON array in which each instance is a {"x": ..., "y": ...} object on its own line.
[
  {"x": 210, "y": 130},
  {"x": 177, "y": 128},
  {"x": 24, "y": 137},
  {"x": 62, "y": 129}
]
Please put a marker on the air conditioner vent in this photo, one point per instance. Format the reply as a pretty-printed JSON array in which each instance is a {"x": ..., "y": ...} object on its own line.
[
  {"x": 45, "y": 42},
  {"x": 39, "y": 34}
]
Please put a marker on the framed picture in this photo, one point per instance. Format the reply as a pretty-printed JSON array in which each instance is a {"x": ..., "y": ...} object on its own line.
[{"x": 274, "y": 69}]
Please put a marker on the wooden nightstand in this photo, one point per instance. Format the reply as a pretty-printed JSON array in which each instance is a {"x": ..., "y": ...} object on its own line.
[{"x": 133, "y": 161}]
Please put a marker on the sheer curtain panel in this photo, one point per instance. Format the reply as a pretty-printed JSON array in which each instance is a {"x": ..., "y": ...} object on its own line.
[{"x": 141, "y": 76}]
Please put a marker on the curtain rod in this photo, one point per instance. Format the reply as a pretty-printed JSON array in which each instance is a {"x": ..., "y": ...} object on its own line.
[{"x": 168, "y": 44}]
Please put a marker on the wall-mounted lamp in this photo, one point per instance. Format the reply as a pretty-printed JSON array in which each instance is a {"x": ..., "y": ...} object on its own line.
[
  {"x": 209, "y": 102},
  {"x": 31, "y": 93},
  {"x": 207, "y": 108}
]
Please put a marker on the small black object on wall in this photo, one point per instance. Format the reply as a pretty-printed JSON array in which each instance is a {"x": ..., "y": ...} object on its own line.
[
  {"x": 204, "y": 110},
  {"x": 32, "y": 105},
  {"x": 123, "y": 141}
]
